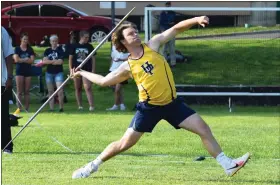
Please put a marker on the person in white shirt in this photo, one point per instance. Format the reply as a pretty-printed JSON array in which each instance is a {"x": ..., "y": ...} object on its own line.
[
  {"x": 117, "y": 59},
  {"x": 6, "y": 89}
]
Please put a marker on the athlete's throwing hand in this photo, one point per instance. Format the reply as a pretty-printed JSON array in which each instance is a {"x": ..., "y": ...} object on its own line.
[{"x": 203, "y": 21}]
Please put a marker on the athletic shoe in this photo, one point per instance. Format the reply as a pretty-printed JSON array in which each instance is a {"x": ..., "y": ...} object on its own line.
[
  {"x": 7, "y": 151},
  {"x": 239, "y": 163},
  {"x": 85, "y": 171},
  {"x": 61, "y": 110},
  {"x": 113, "y": 108},
  {"x": 80, "y": 108},
  {"x": 91, "y": 109},
  {"x": 122, "y": 107}
]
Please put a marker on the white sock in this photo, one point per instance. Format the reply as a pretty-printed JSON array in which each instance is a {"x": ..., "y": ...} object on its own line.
[
  {"x": 225, "y": 161},
  {"x": 115, "y": 106},
  {"x": 97, "y": 161}
]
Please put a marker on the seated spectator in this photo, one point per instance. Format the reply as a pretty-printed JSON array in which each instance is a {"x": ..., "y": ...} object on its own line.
[
  {"x": 180, "y": 57},
  {"x": 23, "y": 57},
  {"x": 53, "y": 58},
  {"x": 78, "y": 54},
  {"x": 117, "y": 59}
]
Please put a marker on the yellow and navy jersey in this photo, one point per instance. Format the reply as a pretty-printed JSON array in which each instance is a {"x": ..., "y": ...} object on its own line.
[{"x": 153, "y": 77}]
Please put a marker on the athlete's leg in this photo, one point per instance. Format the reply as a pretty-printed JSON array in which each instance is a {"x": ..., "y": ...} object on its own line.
[
  {"x": 145, "y": 120},
  {"x": 181, "y": 116},
  {"x": 129, "y": 139},
  {"x": 197, "y": 125}
]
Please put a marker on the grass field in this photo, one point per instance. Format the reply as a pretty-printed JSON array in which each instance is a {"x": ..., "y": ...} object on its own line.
[
  {"x": 163, "y": 157},
  {"x": 198, "y": 31},
  {"x": 218, "y": 62}
]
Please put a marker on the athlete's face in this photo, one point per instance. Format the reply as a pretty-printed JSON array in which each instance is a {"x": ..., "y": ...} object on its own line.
[{"x": 131, "y": 37}]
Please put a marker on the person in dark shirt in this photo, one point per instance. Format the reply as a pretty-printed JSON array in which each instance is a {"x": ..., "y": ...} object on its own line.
[
  {"x": 167, "y": 20},
  {"x": 79, "y": 52},
  {"x": 23, "y": 57},
  {"x": 53, "y": 58},
  {"x": 6, "y": 90}
]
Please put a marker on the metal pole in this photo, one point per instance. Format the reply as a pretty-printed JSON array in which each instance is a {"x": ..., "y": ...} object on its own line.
[
  {"x": 146, "y": 25},
  {"x": 150, "y": 24},
  {"x": 229, "y": 104},
  {"x": 113, "y": 13},
  {"x": 60, "y": 87},
  {"x": 113, "y": 17}
]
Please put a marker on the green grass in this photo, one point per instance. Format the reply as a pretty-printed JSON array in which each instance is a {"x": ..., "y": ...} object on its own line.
[
  {"x": 226, "y": 30},
  {"x": 199, "y": 31},
  {"x": 232, "y": 62},
  {"x": 219, "y": 62},
  {"x": 163, "y": 157}
]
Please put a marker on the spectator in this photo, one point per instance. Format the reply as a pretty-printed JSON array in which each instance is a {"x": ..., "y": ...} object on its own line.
[
  {"x": 45, "y": 42},
  {"x": 53, "y": 58},
  {"x": 180, "y": 57},
  {"x": 167, "y": 20},
  {"x": 6, "y": 89},
  {"x": 23, "y": 57},
  {"x": 78, "y": 54},
  {"x": 68, "y": 47},
  {"x": 117, "y": 59}
]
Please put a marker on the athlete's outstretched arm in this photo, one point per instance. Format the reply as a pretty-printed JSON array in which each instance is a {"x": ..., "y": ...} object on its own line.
[
  {"x": 115, "y": 77},
  {"x": 159, "y": 39}
]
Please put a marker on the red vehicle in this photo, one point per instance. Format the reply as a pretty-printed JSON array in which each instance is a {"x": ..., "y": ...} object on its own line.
[{"x": 43, "y": 19}]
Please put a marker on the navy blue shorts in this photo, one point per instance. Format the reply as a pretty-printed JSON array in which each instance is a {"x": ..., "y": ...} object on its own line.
[
  {"x": 147, "y": 115},
  {"x": 25, "y": 73}
]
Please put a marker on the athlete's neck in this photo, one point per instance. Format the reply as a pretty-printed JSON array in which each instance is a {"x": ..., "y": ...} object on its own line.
[{"x": 135, "y": 51}]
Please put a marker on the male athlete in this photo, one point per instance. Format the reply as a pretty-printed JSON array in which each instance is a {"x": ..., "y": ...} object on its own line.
[{"x": 157, "y": 96}]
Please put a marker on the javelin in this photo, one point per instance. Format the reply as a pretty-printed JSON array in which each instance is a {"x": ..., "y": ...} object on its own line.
[
  {"x": 69, "y": 77},
  {"x": 42, "y": 127}
]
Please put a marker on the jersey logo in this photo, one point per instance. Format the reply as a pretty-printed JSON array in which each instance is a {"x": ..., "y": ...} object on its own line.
[{"x": 148, "y": 68}]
